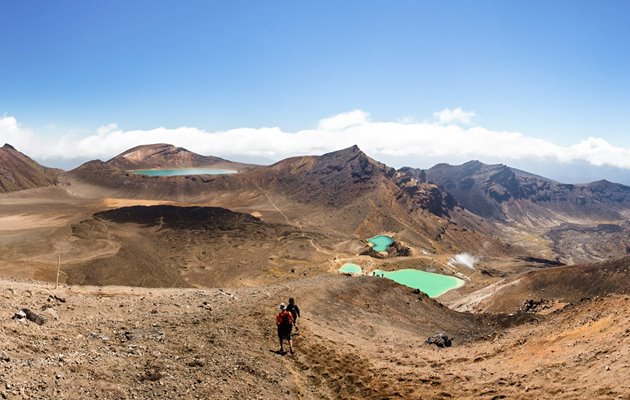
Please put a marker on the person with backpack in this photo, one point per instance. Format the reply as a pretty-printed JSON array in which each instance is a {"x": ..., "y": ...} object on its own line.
[
  {"x": 284, "y": 320},
  {"x": 295, "y": 312}
]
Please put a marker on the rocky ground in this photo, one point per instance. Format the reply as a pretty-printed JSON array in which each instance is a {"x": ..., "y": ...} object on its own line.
[
  {"x": 125, "y": 343},
  {"x": 577, "y": 244},
  {"x": 360, "y": 338}
]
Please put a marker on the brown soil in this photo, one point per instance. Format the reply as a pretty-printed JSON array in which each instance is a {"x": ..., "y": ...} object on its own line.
[
  {"x": 171, "y": 246},
  {"x": 568, "y": 284},
  {"x": 359, "y": 338}
]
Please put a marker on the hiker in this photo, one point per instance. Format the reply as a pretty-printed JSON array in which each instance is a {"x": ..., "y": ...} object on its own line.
[
  {"x": 284, "y": 320},
  {"x": 295, "y": 312}
]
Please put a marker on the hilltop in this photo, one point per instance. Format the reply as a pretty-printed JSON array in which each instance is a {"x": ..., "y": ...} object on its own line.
[{"x": 163, "y": 155}]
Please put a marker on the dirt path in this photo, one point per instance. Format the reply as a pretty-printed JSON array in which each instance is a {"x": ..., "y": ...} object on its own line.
[
  {"x": 470, "y": 301},
  {"x": 277, "y": 208}
]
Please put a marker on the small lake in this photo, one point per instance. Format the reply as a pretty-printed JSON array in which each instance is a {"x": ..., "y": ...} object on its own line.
[
  {"x": 433, "y": 285},
  {"x": 350, "y": 268},
  {"x": 183, "y": 171},
  {"x": 381, "y": 242}
]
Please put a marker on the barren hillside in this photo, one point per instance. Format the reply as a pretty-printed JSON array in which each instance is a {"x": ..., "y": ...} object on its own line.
[
  {"x": 19, "y": 172},
  {"x": 360, "y": 338}
]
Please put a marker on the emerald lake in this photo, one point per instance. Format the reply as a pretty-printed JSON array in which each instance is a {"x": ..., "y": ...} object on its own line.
[
  {"x": 433, "y": 285},
  {"x": 350, "y": 268},
  {"x": 381, "y": 242}
]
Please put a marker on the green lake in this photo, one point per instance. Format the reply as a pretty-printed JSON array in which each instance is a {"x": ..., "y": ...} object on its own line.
[
  {"x": 183, "y": 171},
  {"x": 433, "y": 285},
  {"x": 381, "y": 242},
  {"x": 350, "y": 268}
]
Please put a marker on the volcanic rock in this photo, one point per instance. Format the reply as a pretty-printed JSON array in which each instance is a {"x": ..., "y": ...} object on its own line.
[
  {"x": 26, "y": 313},
  {"x": 440, "y": 340}
]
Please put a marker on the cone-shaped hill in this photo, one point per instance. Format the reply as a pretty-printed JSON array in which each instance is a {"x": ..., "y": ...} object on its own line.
[
  {"x": 168, "y": 156},
  {"x": 333, "y": 179},
  {"x": 19, "y": 172}
]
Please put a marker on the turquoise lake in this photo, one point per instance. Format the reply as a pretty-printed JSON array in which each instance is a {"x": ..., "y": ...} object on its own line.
[
  {"x": 433, "y": 285},
  {"x": 350, "y": 268},
  {"x": 381, "y": 242},
  {"x": 183, "y": 171}
]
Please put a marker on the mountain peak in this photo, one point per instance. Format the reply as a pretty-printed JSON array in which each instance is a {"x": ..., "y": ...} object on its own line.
[
  {"x": 473, "y": 162},
  {"x": 352, "y": 154},
  {"x": 145, "y": 150},
  {"x": 7, "y": 146},
  {"x": 352, "y": 150},
  {"x": 164, "y": 155}
]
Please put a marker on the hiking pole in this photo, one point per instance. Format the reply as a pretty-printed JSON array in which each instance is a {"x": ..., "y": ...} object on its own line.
[{"x": 58, "y": 266}]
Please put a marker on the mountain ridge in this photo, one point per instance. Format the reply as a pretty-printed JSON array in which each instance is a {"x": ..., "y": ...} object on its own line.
[
  {"x": 344, "y": 190},
  {"x": 20, "y": 172},
  {"x": 490, "y": 190},
  {"x": 454, "y": 208}
]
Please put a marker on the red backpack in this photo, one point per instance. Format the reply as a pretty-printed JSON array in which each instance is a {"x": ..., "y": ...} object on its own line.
[{"x": 286, "y": 318}]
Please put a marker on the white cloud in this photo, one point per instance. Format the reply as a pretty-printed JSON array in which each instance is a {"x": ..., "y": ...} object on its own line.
[
  {"x": 344, "y": 120},
  {"x": 105, "y": 129},
  {"x": 405, "y": 138},
  {"x": 13, "y": 133},
  {"x": 598, "y": 152},
  {"x": 450, "y": 116}
]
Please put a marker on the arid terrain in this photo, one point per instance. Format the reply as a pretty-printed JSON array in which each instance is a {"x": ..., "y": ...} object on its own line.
[{"x": 169, "y": 285}]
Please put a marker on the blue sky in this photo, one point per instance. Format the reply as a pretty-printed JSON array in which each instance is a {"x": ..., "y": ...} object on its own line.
[{"x": 553, "y": 70}]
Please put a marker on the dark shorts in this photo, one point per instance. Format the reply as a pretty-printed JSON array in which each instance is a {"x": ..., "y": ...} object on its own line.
[{"x": 284, "y": 331}]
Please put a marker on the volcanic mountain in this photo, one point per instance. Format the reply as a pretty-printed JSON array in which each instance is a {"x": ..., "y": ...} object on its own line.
[
  {"x": 500, "y": 192},
  {"x": 332, "y": 180},
  {"x": 343, "y": 191},
  {"x": 342, "y": 177},
  {"x": 168, "y": 156},
  {"x": 19, "y": 172}
]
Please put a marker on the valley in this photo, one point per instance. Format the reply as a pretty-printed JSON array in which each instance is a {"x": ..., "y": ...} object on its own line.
[{"x": 172, "y": 282}]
